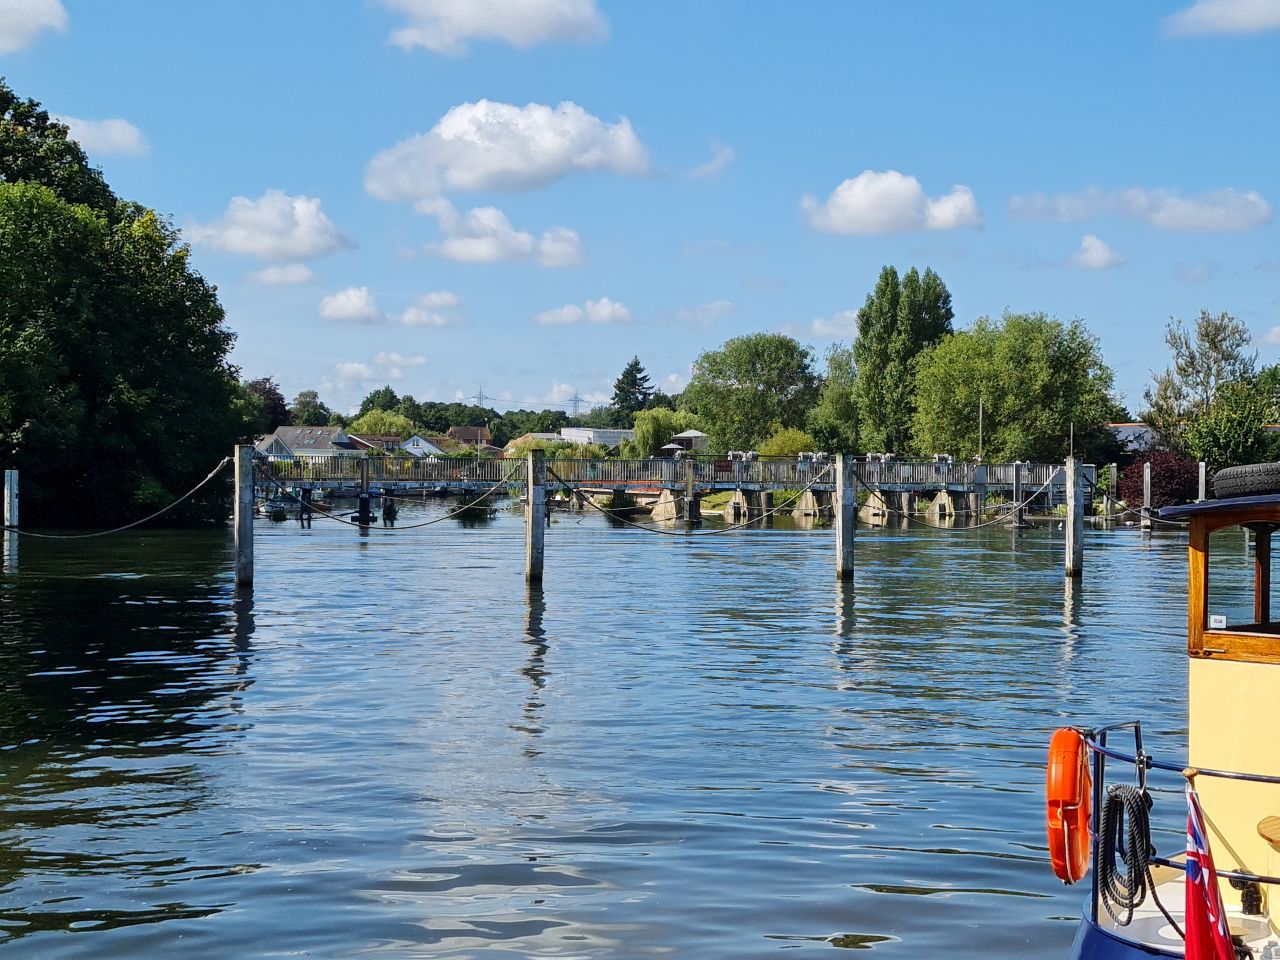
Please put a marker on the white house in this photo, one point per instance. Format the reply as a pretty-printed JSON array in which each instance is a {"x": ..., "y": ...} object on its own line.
[
  {"x": 604, "y": 437},
  {"x": 417, "y": 446}
]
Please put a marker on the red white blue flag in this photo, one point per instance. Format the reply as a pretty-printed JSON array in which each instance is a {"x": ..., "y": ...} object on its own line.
[{"x": 1207, "y": 935}]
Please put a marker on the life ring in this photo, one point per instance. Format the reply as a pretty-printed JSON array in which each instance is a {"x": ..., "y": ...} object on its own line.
[{"x": 1069, "y": 804}]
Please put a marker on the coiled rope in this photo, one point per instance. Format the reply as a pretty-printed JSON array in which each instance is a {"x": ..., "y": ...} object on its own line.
[
  {"x": 128, "y": 526},
  {"x": 1125, "y": 830}
]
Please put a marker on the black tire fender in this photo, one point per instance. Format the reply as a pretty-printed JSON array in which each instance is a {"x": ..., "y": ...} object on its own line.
[{"x": 1247, "y": 480}]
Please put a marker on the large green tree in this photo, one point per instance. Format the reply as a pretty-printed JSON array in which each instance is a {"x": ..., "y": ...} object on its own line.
[
  {"x": 307, "y": 410},
  {"x": 901, "y": 317},
  {"x": 833, "y": 423},
  {"x": 1232, "y": 430},
  {"x": 275, "y": 412},
  {"x": 1214, "y": 353},
  {"x": 751, "y": 387},
  {"x": 632, "y": 389},
  {"x": 1036, "y": 378},
  {"x": 655, "y": 428},
  {"x": 115, "y": 391}
]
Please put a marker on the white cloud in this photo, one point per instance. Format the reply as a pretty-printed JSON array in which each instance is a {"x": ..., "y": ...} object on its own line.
[
  {"x": 485, "y": 235},
  {"x": 1095, "y": 254},
  {"x": 489, "y": 145},
  {"x": 394, "y": 359},
  {"x": 351, "y": 372},
  {"x": 276, "y": 226},
  {"x": 1216, "y": 211},
  {"x": 22, "y": 20},
  {"x": 602, "y": 311},
  {"x": 704, "y": 314},
  {"x": 721, "y": 158},
  {"x": 282, "y": 274},
  {"x": 431, "y": 310},
  {"x": 842, "y": 324},
  {"x": 445, "y": 26},
  {"x": 352, "y": 305},
  {"x": 1225, "y": 16},
  {"x": 1272, "y": 336},
  {"x": 105, "y": 136},
  {"x": 890, "y": 202}
]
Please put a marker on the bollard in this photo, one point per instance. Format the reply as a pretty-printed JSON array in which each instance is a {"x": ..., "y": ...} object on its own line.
[
  {"x": 244, "y": 515},
  {"x": 845, "y": 504},
  {"x": 1075, "y": 518},
  {"x": 1146, "y": 497},
  {"x": 535, "y": 519}
]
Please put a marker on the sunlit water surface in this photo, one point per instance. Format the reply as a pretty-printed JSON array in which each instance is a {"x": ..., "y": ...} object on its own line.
[{"x": 695, "y": 747}]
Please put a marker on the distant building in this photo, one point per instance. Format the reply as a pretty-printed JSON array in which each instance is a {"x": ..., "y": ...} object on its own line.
[
  {"x": 1135, "y": 435},
  {"x": 418, "y": 446},
  {"x": 470, "y": 436},
  {"x": 386, "y": 443},
  {"x": 612, "y": 439},
  {"x": 288, "y": 443},
  {"x": 690, "y": 440}
]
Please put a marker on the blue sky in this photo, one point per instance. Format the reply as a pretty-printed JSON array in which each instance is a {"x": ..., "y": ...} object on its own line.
[{"x": 456, "y": 195}]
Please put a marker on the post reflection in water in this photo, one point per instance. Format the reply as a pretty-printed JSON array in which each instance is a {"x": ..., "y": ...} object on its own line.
[{"x": 534, "y": 669}]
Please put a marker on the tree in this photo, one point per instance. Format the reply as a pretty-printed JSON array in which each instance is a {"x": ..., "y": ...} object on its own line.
[
  {"x": 307, "y": 410},
  {"x": 833, "y": 423},
  {"x": 382, "y": 423},
  {"x": 1203, "y": 360},
  {"x": 384, "y": 398},
  {"x": 275, "y": 412},
  {"x": 1232, "y": 430},
  {"x": 1036, "y": 378},
  {"x": 654, "y": 430},
  {"x": 750, "y": 387},
  {"x": 632, "y": 390},
  {"x": 1175, "y": 479},
  {"x": 788, "y": 442},
  {"x": 37, "y": 149},
  {"x": 901, "y": 317}
]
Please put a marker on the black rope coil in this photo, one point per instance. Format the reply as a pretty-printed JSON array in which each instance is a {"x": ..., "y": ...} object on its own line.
[{"x": 1125, "y": 830}]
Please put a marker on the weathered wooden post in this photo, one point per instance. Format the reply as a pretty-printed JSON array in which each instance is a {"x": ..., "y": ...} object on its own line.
[
  {"x": 1146, "y": 496},
  {"x": 535, "y": 516},
  {"x": 1017, "y": 494},
  {"x": 244, "y": 515},
  {"x": 1204, "y": 487},
  {"x": 364, "y": 510},
  {"x": 1075, "y": 518},
  {"x": 845, "y": 505},
  {"x": 10, "y": 512},
  {"x": 1113, "y": 484},
  {"x": 979, "y": 490}
]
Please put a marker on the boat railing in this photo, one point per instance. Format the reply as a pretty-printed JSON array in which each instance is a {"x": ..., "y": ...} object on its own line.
[{"x": 1142, "y": 764}]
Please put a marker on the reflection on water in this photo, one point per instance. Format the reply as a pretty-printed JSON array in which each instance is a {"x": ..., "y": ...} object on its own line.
[{"x": 704, "y": 747}]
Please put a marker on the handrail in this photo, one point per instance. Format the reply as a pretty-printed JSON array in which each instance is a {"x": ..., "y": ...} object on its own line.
[{"x": 1153, "y": 764}]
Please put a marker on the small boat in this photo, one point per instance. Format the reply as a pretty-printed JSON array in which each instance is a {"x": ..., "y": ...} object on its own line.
[
  {"x": 275, "y": 509},
  {"x": 1104, "y": 789}
]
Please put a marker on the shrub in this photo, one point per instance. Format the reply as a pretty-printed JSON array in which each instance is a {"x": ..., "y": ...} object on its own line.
[{"x": 1174, "y": 479}]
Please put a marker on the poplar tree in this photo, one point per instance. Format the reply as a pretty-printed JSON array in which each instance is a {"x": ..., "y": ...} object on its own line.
[{"x": 901, "y": 317}]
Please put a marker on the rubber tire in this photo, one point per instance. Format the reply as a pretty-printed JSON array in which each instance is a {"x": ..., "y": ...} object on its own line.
[{"x": 1249, "y": 480}]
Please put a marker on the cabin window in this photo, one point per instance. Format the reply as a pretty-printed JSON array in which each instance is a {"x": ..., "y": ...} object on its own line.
[{"x": 1232, "y": 600}]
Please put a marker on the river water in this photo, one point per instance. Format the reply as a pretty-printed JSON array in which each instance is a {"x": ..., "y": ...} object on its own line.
[{"x": 695, "y": 747}]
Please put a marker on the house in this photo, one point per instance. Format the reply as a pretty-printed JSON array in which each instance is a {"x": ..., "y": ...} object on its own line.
[
  {"x": 530, "y": 438},
  {"x": 470, "y": 436},
  {"x": 1133, "y": 436},
  {"x": 288, "y": 443},
  {"x": 691, "y": 440},
  {"x": 419, "y": 446},
  {"x": 611, "y": 439},
  {"x": 385, "y": 443}
]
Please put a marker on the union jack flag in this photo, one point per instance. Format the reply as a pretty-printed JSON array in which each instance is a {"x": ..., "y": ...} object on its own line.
[{"x": 1207, "y": 934}]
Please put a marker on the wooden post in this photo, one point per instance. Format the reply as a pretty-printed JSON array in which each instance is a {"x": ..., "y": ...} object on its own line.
[
  {"x": 979, "y": 491},
  {"x": 244, "y": 516},
  {"x": 1204, "y": 488},
  {"x": 1017, "y": 494},
  {"x": 535, "y": 516},
  {"x": 1146, "y": 496},
  {"x": 364, "y": 512},
  {"x": 692, "y": 512},
  {"x": 11, "y": 498},
  {"x": 845, "y": 504},
  {"x": 1075, "y": 518},
  {"x": 1113, "y": 484}
]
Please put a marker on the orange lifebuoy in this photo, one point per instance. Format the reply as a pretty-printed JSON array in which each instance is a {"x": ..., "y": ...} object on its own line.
[{"x": 1069, "y": 804}]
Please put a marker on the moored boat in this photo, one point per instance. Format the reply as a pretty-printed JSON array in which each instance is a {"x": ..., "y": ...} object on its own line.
[{"x": 1104, "y": 789}]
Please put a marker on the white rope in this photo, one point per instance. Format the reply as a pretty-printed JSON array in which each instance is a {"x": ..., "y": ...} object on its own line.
[{"x": 127, "y": 526}]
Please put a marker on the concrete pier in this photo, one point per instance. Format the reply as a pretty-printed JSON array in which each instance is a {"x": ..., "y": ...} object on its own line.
[
  {"x": 1074, "y": 560},
  {"x": 535, "y": 516},
  {"x": 244, "y": 515},
  {"x": 845, "y": 504}
]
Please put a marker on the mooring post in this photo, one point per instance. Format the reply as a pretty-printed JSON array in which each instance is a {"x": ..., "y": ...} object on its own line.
[
  {"x": 979, "y": 490},
  {"x": 1204, "y": 488},
  {"x": 11, "y": 498},
  {"x": 244, "y": 515},
  {"x": 1113, "y": 484},
  {"x": 1146, "y": 496},
  {"x": 1017, "y": 493},
  {"x": 692, "y": 509},
  {"x": 845, "y": 504},
  {"x": 1075, "y": 518},
  {"x": 364, "y": 511},
  {"x": 535, "y": 516}
]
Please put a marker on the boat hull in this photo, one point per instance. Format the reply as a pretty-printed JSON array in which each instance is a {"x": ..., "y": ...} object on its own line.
[{"x": 1095, "y": 943}]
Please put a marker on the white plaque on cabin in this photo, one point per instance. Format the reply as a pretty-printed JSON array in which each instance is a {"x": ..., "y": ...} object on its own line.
[{"x": 1217, "y": 621}]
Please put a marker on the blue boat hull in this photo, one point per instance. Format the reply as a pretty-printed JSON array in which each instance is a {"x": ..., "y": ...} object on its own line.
[{"x": 1094, "y": 943}]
